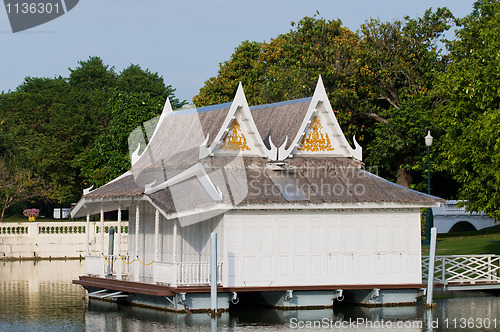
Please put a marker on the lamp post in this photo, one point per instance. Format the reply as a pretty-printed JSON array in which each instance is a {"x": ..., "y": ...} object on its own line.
[
  {"x": 428, "y": 142},
  {"x": 429, "y": 218}
]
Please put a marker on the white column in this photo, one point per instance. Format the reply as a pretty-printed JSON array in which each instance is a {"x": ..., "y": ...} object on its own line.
[
  {"x": 119, "y": 244},
  {"x": 174, "y": 256},
  {"x": 157, "y": 236},
  {"x": 102, "y": 230},
  {"x": 137, "y": 226},
  {"x": 174, "y": 243},
  {"x": 213, "y": 273},
  {"x": 87, "y": 236}
]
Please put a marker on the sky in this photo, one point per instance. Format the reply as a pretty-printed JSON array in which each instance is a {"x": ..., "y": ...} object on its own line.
[{"x": 184, "y": 41}]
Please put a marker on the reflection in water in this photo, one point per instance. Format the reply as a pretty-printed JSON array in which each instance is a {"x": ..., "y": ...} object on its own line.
[{"x": 39, "y": 296}]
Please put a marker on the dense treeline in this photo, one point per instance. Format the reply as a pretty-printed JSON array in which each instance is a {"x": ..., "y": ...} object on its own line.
[
  {"x": 389, "y": 83},
  {"x": 59, "y": 135}
]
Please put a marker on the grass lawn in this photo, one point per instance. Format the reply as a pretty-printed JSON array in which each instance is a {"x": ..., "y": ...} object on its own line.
[{"x": 485, "y": 241}]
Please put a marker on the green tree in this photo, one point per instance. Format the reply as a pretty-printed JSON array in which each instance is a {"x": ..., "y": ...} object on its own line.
[
  {"x": 17, "y": 184},
  {"x": 108, "y": 157},
  {"x": 135, "y": 79},
  {"x": 471, "y": 89},
  {"x": 138, "y": 97},
  {"x": 48, "y": 128},
  {"x": 48, "y": 125},
  {"x": 93, "y": 83},
  {"x": 400, "y": 61}
]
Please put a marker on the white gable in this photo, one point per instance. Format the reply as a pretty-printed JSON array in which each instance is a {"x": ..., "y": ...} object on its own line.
[
  {"x": 320, "y": 133},
  {"x": 238, "y": 134}
]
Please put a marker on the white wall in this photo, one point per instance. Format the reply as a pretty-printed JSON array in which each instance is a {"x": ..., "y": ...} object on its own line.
[
  {"x": 37, "y": 241},
  {"x": 322, "y": 248}
]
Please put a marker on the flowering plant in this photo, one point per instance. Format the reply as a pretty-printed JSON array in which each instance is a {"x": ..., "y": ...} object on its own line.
[{"x": 31, "y": 212}]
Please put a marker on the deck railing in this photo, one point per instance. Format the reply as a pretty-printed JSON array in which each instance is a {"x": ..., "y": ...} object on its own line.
[
  {"x": 114, "y": 265},
  {"x": 460, "y": 269},
  {"x": 94, "y": 265},
  {"x": 168, "y": 273},
  {"x": 184, "y": 273}
]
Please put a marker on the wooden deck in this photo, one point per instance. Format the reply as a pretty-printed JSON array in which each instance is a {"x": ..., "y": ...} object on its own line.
[
  {"x": 124, "y": 286},
  {"x": 465, "y": 272},
  {"x": 162, "y": 290}
]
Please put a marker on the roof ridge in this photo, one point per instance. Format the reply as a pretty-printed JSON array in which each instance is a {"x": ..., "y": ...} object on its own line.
[{"x": 281, "y": 103}]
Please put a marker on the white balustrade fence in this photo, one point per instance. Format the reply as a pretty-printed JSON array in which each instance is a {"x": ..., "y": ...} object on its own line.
[
  {"x": 460, "y": 269},
  {"x": 56, "y": 239},
  {"x": 172, "y": 274},
  {"x": 184, "y": 273}
]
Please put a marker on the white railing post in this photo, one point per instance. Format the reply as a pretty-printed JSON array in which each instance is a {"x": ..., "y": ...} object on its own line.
[
  {"x": 101, "y": 220},
  {"x": 443, "y": 270},
  {"x": 175, "y": 270},
  {"x": 157, "y": 236},
  {"x": 432, "y": 257},
  {"x": 87, "y": 235},
  {"x": 489, "y": 269},
  {"x": 213, "y": 273},
  {"x": 119, "y": 244},
  {"x": 136, "y": 252}
]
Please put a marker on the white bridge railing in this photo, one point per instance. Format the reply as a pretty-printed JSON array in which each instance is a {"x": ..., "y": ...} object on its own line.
[{"x": 464, "y": 269}]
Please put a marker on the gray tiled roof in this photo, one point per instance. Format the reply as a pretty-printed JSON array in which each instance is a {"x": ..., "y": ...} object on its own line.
[{"x": 298, "y": 180}]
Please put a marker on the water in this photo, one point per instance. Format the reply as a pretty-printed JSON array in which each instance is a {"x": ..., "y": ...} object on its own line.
[{"x": 39, "y": 296}]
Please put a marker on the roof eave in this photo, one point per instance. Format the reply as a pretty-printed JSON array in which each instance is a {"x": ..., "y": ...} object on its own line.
[{"x": 92, "y": 205}]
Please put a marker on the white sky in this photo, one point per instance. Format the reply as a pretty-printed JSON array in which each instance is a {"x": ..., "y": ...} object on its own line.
[{"x": 183, "y": 40}]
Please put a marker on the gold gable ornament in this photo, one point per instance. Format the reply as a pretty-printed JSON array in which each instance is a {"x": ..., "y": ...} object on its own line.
[
  {"x": 234, "y": 139},
  {"x": 315, "y": 140}
]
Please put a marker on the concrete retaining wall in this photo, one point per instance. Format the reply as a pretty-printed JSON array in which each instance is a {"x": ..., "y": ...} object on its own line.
[{"x": 56, "y": 239}]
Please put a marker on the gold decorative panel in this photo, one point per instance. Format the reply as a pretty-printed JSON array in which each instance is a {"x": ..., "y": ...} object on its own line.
[
  {"x": 234, "y": 139},
  {"x": 316, "y": 140}
]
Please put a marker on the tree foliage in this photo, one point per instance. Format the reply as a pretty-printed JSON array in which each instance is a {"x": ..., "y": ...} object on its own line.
[
  {"x": 108, "y": 156},
  {"x": 471, "y": 111},
  {"x": 16, "y": 184},
  {"x": 68, "y": 132}
]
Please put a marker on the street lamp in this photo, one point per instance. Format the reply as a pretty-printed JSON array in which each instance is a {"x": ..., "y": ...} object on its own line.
[
  {"x": 428, "y": 142},
  {"x": 429, "y": 218}
]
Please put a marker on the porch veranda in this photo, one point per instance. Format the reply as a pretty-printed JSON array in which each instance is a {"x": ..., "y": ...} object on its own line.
[{"x": 172, "y": 274}]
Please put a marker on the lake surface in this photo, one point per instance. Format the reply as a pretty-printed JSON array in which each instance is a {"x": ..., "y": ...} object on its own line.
[{"x": 39, "y": 296}]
